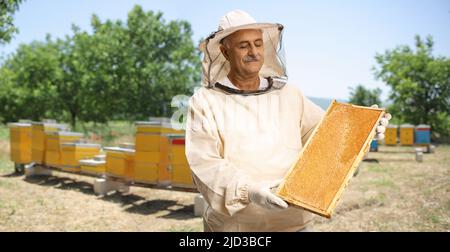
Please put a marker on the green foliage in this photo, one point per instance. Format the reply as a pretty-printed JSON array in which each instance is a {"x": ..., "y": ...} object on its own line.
[
  {"x": 27, "y": 82},
  {"x": 7, "y": 28},
  {"x": 365, "y": 97},
  {"x": 121, "y": 71},
  {"x": 420, "y": 85}
]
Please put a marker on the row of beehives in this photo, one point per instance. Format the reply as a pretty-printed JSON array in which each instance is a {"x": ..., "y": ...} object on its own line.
[
  {"x": 157, "y": 157},
  {"x": 408, "y": 135}
]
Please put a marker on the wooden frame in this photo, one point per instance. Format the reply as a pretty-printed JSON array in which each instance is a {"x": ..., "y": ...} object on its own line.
[{"x": 321, "y": 188}]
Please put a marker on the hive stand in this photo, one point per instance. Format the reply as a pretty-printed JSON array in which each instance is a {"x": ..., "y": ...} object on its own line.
[
  {"x": 37, "y": 170},
  {"x": 103, "y": 186},
  {"x": 419, "y": 155},
  {"x": 200, "y": 205}
]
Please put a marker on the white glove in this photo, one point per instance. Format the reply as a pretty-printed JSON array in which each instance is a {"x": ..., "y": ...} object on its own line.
[
  {"x": 259, "y": 193},
  {"x": 381, "y": 128}
]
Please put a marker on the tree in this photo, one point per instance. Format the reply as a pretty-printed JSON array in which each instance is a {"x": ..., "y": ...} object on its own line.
[
  {"x": 365, "y": 97},
  {"x": 145, "y": 61},
  {"x": 121, "y": 71},
  {"x": 7, "y": 28},
  {"x": 420, "y": 84},
  {"x": 27, "y": 82}
]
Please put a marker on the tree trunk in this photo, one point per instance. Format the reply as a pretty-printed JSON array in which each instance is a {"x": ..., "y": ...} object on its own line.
[{"x": 73, "y": 120}]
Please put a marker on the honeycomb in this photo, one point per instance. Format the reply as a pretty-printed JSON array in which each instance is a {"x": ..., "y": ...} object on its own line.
[{"x": 330, "y": 157}]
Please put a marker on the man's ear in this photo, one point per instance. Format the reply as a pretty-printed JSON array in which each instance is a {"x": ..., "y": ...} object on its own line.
[{"x": 224, "y": 52}]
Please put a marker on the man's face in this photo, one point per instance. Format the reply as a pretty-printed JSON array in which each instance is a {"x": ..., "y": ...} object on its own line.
[{"x": 244, "y": 50}]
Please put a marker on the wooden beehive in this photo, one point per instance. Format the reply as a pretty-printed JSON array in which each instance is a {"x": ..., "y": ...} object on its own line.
[
  {"x": 391, "y": 135},
  {"x": 330, "y": 157},
  {"x": 151, "y": 139},
  {"x": 179, "y": 166},
  {"x": 120, "y": 162},
  {"x": 407, "y": 134},
  {"x": 20, "y": 142},
  {"x": 72, "y": 153}
]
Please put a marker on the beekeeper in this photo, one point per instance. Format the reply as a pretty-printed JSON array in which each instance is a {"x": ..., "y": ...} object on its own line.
[{"x": 245, "y": 128}]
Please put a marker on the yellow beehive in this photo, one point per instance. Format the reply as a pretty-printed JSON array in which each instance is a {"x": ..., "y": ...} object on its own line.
[
  {"x": 148, "y": 142},
  {"x": 330, "y": 157},
  {"x": 151, "y": 137},
  {"x": 120, "y": 162},
  {"x": 177, "y": 153},
  {"x": 54, "y": 139},
  {"x": 407, "y": 134},
  {"x": 92, "y": 166},
  {"x": 20, "y": 142},
  {"x": 164, "y": 176},
  {"x": 391, "y": 135},
  {"x": 181, "y": 176},
  {"x": 148, "y": 157},
  {"x": 38, "y": 142},
  {"x": 147, "y": 166},
  {"x": 181, "y": 173},
  {"x": 146, "y": 172},
  {"x": 72, "y": 153}
]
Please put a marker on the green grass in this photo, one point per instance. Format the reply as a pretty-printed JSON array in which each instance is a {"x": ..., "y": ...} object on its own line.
[
  {"x": 434, "y": 218},
  {"x": 378, "y": 200},
  {"x": 6, "y": 166},
  {"x": 384, "y": 182},
  {"x": 447, "y": 206},
  {"x": 377, "y": 168},
  {"x": 4, "y": 132},
  {"x": 7, "y": 184}
]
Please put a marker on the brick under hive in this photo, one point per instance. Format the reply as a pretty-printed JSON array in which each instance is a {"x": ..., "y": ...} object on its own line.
[{"x": 330, "y": 157}]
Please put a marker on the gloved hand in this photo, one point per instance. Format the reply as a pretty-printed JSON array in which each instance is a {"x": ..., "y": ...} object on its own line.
[
  {"x": 381, "y": 128},
  {"x": 259, "y": 193}
]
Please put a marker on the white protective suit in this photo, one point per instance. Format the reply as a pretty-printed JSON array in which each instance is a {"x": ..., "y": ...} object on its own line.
[{"x": 235, "y": 139}]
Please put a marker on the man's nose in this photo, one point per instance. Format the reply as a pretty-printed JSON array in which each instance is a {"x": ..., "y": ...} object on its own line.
[{"x": 252, "y": 50}]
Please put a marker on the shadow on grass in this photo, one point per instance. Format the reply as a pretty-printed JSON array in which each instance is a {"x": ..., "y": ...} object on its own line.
[
  {"x": 175, "y": 210},
  {"x": 371, "y": 160},
  {"x": 12, "y": 175},
  {"x": 62, "y": 183},
  {"x": 396, "y": 151},
  {"x": 138, "y": 204}
]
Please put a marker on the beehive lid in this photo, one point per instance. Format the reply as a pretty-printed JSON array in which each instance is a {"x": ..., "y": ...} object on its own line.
[
  {"x": 330, "y": 157},
  {"x": 406, "y": 125},
  {"x": 85, "y": 145},
  {"x": 146, "y": 123},
  {"x": 393, "y": 126},
  {"x": 159, "y": 119},
  {"x": 68, "y": 133},
  {"x": 164, "y": 124},
  {"x": 175, "y": 136},
  {"x": 127, "y": 145},
  {"x": 51, "y": 133},
  {"x": 118, "y": 149},
  {"x": 100, "y": 157},
  {"x": 423, "y": 126},
  {"x": 55, "y": 125},
  {"x": 91, "y": 162},
  {"x": 18, "y": 124}
]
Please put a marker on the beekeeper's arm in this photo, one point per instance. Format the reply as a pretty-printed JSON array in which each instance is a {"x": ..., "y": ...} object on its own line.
[
  {"x": 310, "y": 118},
  {"x": 224, "y": 187}
]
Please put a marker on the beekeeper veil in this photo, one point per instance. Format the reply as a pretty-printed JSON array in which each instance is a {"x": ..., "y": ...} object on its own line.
[{"x": 216, "y": 67}]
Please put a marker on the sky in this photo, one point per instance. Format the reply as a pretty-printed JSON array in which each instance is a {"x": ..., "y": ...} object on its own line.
[{"x": 329, "y": 45}]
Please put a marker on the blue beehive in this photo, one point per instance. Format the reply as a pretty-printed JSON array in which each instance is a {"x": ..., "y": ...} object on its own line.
[
  {"x": 374, "y": 145},
  {"x": 422, "y": 134}
]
